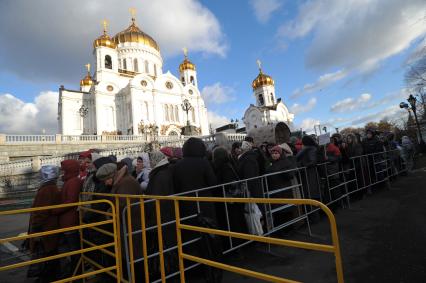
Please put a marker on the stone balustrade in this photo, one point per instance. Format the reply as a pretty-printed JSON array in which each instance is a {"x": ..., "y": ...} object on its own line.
[{"x": 34, "y": 164}]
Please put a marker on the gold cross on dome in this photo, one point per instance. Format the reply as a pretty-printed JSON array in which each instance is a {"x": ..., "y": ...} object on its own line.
[
  {"x": 185, "y": 52},
  {"x": 259, "y": 64},
  {"x": 133, "y": 13},
  {"x": 105, "y": 24},
  {"x": 88, "y": 67}
]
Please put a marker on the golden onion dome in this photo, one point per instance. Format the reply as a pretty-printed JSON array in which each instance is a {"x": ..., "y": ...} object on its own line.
[
  {"x": 186, "y": 65},
  {"x": 134, "y": 34},
  {"x": 104, "y": 40},
  {"x": 262, "y": 79},
  {"x": 86, "y": 81}
]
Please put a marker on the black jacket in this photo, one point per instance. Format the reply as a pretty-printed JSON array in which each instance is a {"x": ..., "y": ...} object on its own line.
[
  {"x": 248, "y": 167},
  {"x": 278, "y": 181}
]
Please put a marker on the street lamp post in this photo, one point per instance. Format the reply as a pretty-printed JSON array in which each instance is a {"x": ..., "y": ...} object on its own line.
[
  {"x": 186, "y": 106},
  {"x": 412, "y": 100}
]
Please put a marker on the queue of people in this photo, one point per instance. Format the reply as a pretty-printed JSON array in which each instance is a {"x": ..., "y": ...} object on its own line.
[{"x": 170, "y": 171}]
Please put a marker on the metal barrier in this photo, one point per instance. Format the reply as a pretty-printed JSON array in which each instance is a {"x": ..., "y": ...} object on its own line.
[
  {"x": 139, "y": 203},
  {"x": 110, "y": 247}
]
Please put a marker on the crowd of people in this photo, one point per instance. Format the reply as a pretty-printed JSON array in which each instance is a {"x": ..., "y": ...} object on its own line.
[{"x": 173, "y": 170}]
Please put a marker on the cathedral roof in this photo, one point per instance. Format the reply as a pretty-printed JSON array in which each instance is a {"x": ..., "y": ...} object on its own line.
[{"x": 134, "y": 34}]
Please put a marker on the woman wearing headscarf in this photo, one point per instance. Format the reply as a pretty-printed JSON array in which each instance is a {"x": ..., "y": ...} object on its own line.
[
  {"x": 142, "y": 170},
  {"x": 278, "y": 182},
  {"x": 45, "y": 220}
]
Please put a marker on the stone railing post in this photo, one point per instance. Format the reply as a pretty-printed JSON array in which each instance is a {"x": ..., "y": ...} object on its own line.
[
  {"x": 58, "y": 138},
  {"x": 2, "y": 138},
  {"x": 36, "y": 163}
]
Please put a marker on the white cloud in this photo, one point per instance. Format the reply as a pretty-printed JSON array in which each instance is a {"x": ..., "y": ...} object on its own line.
[
  {"x": 297, "y": 108},
  {"x": 263, "y": 9},
  {"x": 217, "y": 94},
  {"x": 308, "y": 124},
  {"x": 393, "y": 112},
  {"x": 49, "y": 40},
  {"x": 356, "y": 34},
  {"x": 19, "y": 117},
  {"x": 322, "y": 82},
  {"x": 217, "y": 120},
  {"x": 350, "y": 104}
]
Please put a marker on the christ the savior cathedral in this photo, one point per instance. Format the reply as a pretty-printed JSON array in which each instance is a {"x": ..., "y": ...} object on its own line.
[{"x": 128, "y": 92}]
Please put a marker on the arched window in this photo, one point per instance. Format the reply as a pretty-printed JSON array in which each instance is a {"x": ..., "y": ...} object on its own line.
[
  {"x": 146, "y": 67},
  {"x": 261, "y": 101},
  {"x": 193, "y": 115},
  {"x": 171, "y": 114},
  {"x": 166, "y": 112},
  {"x": 191, "y": 79},
  {"x": 183, "y": 80},
  {"x": 272, "y": 97},
  {"x": 108, "y": 62},
  {"x": 135, "y": 65},
  {"x": 147, "y": 110},
  {"x": 124, "y": 64},
  {"x": 176, "y": 113},
  {"x": 155, "y": 70},
  {"x": 119, "y": 63}
]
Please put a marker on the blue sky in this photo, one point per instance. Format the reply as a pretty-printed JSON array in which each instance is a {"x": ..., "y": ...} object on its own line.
[{"x": 338, "y": 63}]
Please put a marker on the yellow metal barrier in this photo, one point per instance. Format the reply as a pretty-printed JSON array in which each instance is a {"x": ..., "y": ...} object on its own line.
[
  {"x": 333, "y": 248},
  {"x": 103, "y": 248}
]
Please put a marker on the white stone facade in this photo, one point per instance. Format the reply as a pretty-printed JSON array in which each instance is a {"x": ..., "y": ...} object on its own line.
[{"x": 129, "y": 89}]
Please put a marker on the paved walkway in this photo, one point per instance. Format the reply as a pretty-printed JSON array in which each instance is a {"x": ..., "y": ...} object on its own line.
[{"x": 382, "y": 238}]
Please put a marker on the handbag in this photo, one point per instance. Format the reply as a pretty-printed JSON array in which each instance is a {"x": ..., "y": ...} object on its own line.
[
  {"x": 253, "y": 215},
  {"x": 236, "y": 190}
]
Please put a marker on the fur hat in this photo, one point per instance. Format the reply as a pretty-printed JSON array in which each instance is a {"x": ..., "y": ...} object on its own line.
[
  {"x": 107, "y": 171},
  {"x": 49, "y": 173},
  {"x": 286, "y": 148}
]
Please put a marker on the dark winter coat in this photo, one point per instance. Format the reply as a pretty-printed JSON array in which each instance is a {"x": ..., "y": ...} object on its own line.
[
  {"x": 307, "y": 157},
  {"x": 68, "y": 216},
  {"x": 226, "y": 173},
  {"x": 372, "y": 145},
  {"x": 248, "y": 167},
  {"x": 45, "y": 220},
  {"x": 127, "y": 185},
  {"x": 279, "y": 181},
  {"x": 194, "y": 172}
]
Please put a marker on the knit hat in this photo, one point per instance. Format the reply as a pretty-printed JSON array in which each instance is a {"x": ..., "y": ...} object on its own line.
[
  {"x": 107, "y": 171},
  {"x": 168, "y": 151},
  {"x": 155, "y": 157},
  {"x": 49, "y": 173},
  {"x": 245, "y": 146},
  {"x": 278, "y": 149}
]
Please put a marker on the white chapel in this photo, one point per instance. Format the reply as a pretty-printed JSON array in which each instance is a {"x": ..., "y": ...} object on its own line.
[
  {"x": 268, "y": 109},
  {"x": 129, "y": 92}
]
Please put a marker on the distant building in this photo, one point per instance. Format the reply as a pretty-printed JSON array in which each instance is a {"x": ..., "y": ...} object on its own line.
[
  {"x": 268, "y": 109},
  {"x": 129, "y": 93}
]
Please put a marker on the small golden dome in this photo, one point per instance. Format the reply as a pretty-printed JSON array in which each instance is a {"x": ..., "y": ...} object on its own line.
[
  {"x": 86, "y": 81},
  {"x": 186, "y": 65},
  {"x": 104, "y": 40},
  {"x": 134, "y": 34},
  {"x": 262, "y": 79}
]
